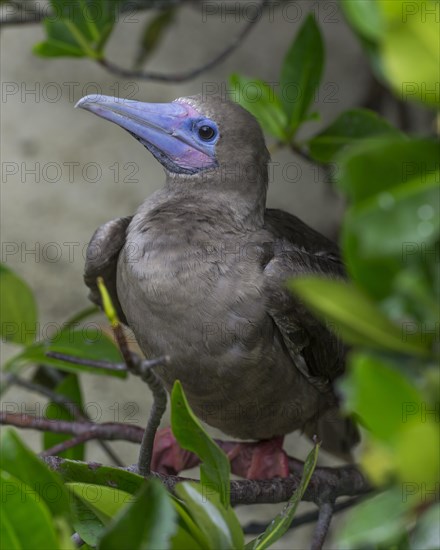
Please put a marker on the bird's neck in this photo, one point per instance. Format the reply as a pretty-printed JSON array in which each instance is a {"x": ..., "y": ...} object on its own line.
[{"x": 242, "y": 203}]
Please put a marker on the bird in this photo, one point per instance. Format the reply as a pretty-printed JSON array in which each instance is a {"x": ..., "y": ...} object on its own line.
[{"x": 199, "y": 272}]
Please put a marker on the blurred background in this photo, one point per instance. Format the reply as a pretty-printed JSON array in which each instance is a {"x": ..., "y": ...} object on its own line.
[{"x": 65, "y": 172}]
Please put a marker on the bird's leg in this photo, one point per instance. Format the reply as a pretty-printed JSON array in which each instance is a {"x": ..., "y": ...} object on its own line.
[{"x": 251, "y": 460}]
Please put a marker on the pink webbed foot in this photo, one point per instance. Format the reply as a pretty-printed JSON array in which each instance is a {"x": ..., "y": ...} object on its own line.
[
  {"x": 259, "y": 460},
  {"x": 168, "y": 456}
]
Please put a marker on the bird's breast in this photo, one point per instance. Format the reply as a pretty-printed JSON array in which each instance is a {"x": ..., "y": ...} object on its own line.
[{"x": 190, "y": 296}]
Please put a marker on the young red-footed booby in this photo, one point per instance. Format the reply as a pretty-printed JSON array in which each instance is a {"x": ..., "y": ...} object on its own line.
[{"x": 199, "y": 273}]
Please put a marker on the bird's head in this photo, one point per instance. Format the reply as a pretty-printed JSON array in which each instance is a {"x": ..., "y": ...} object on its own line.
[{"x": 210, "y": 139}]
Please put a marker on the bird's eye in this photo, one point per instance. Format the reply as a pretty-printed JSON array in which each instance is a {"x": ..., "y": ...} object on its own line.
[{"x": 206, "y": 132}]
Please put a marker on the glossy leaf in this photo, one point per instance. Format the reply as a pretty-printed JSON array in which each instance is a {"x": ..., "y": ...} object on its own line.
[
  {"x": 301, "y": 72},
  {"x": 106, "y": 476},
  {"x": 349, "y": 127},
  {"x": 86, "y": 523},
  {"x": 379, "y": 520},
  {"x": 219, "y": 525},
  {"x": 263, "y": 102},
  {"x": 147, "y": 522},
  {"x": 78, "y": 28},
  {"x": 104, "y": 502},
  {"x": 25, "y": 517},
  {"x": 372, "y": 384},
  {"x": 23, "y": 464},
  {"x": 353, "y": 315},
  {"x": 378, "y": 165},
  {"x": 410, "y": 49},
  {"x": 71, "y": 342},
  {"x": 215, "y": 468},
  {"x": 394, "y": 222},
  {"x": 365, "y": 18},
  {"x": 183, "y": 539},
  {"x": 18, "y": 310},
  {"x": 69, "y": 388},
  {"x": 279, "y": 526}
]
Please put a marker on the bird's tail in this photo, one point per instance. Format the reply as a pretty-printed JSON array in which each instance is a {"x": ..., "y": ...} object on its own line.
[{"x": 337, "y": 433}]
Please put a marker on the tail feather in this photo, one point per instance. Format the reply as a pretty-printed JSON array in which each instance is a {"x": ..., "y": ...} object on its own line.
[{"x": 338, "y": 434}]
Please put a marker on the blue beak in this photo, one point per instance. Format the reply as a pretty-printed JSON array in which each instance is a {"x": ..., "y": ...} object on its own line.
[{"x": 166, "y": 129}]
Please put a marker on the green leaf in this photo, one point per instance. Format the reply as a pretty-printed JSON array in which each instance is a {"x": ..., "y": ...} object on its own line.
[
  {"x": 86, "y": 523},
  {"x": 279, "y": 526},
  {"x": 376, "y": 166},
  {"x": 372, "y": 384},
  {"x": 153, "y": 34},
  {"x": 404, "y": 439},
  {"x": 353, "y": 316},
  {"x": 147, "y": 522},
  {"x": 410, "y": 49},
  {"x": 261, "y": 101},
  {"x": 104, "y": 502},
  {"x": 106, "y": 476},
  {"x": 23, "y": 464},
  {"x": 349, "y": 127},
  {"x": 380, "y": 520},
  {"x": 26, "y": 518},
  {"x": 393, "y": 223},
  {"x": 69, "y": 387},
  {"x": 18, "y": 310},
  {"x": 365, "y": 18},
  {"x": 80, "y": 28},
  {"x": 188, "y": 528},
  {"x": 219, "y": 525},
  {"x": 215, "y": 468},
  {"x": 78, "y": 343},
  {"x": 183, "y": 539},
  {"x": 301, "y": 72}
]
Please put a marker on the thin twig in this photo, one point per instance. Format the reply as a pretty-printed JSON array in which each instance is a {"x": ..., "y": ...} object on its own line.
[
  {"x": 68, "y": 444},
  {"x": 143, "y": 369},
  {"x": 105, "y": 365},
  {"x": 189, "y": 74},
  {"x": 109, "y": 431},
  {"x": 322, "y": 526},
  {"x": 69, "y": 405}
]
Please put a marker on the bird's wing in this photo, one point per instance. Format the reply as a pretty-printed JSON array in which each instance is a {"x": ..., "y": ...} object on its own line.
[
  {"x": 298, "y": 250},
  {"x": 102, "y": 258}
]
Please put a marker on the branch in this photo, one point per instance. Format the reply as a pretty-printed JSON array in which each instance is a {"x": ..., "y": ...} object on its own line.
[
  {"x": 326, "y": 483},
  {"x": 192, "y": 73},
  {"x": 326, "y": 510},
  {"x": 244, "y": 491},
  {"x": 107, "y": 431},
  {"x": 144, "y": 369},
  {"x": 68, "y": 444},
  {"x": 105, "y": 365}
]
